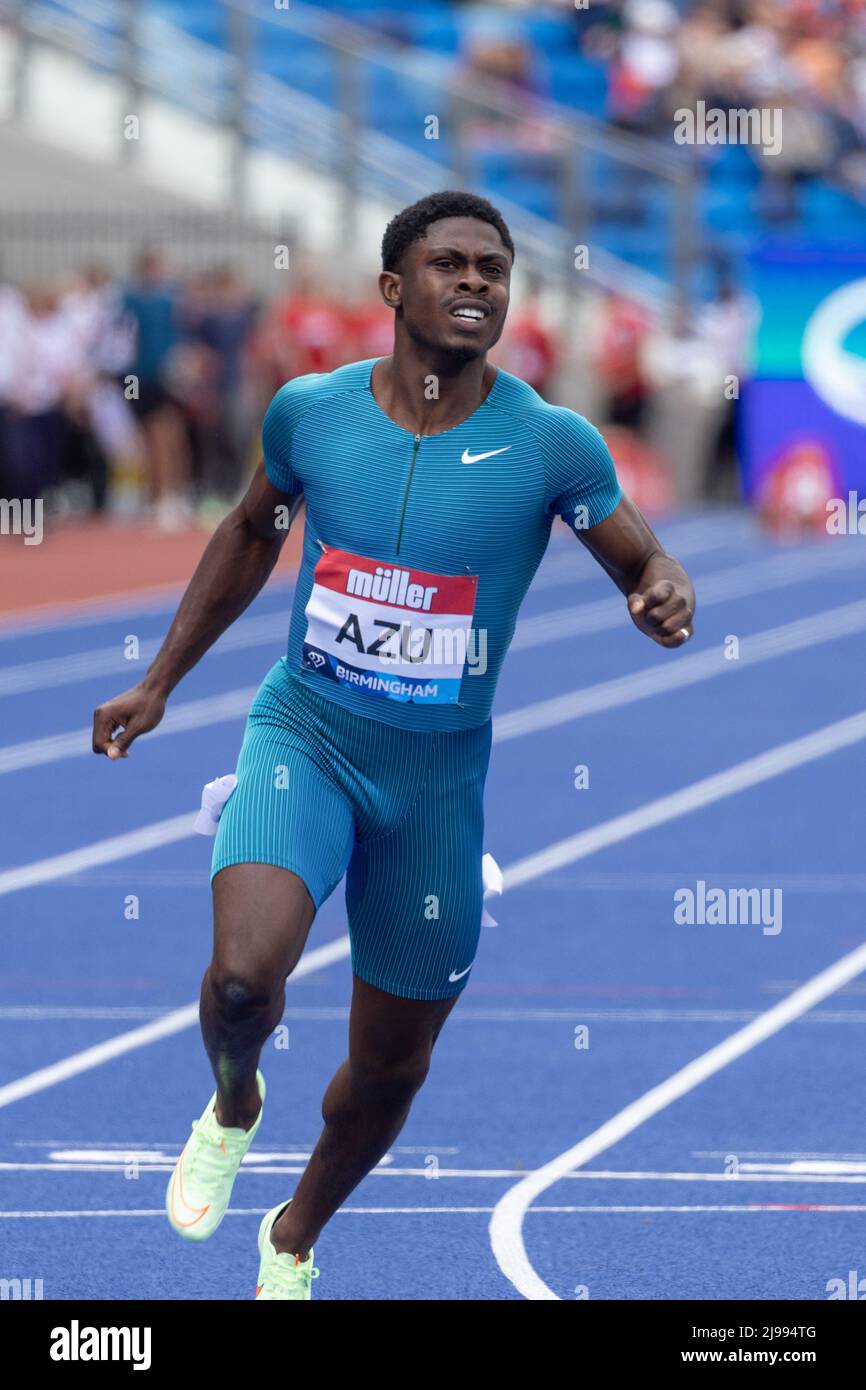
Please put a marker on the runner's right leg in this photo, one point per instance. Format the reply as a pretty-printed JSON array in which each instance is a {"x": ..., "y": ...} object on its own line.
[{"x": 262, "y": 916}]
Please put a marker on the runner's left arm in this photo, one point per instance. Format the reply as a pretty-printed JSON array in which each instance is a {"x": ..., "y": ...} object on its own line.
[{"x": 661, "y": 600}]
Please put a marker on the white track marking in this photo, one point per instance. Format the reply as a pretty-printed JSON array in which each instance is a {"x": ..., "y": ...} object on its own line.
[
  {"x": 757, "y": 647},
  {"x": 50, "y": 672},
  {"x": 801, "y": 1165},
  {"x": 841, "y": 734},
  {"x": 77, "y": 613},
  {"x": 39, "y": 1013},
  {"x": 506, "y": 1224},
  {"x": 580, "y": 879},
  {"x": 724, "y": 586},
  {"x": 568, "y": 569},
  {"x": 120, "y": 1161},
  {"x": 688, "y": 536},
  {"x": 778, "y": 1153},
  {"x": 687, "y": 670},
  {"x": 703, "y": 793},
  {"x": 193, "y": 714},
  {"x": 558, "y": 569},
  {"x": 162, "y": 832},
  {"x": 174, "y": 1022},
  {"x": 753, "y": 1207},
  {"x": 162, "y": 598}
]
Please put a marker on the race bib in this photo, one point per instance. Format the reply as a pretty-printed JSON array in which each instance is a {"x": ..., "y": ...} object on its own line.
[{"x": 389, "y": 630}]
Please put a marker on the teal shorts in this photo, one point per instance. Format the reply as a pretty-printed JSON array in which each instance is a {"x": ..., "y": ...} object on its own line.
[{"x": 325, "y": 792}]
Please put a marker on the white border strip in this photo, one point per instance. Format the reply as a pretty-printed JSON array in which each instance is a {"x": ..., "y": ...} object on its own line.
[
  {"x": 703, "y": 793},
  {"x": 175, "y": 1022},
  {"x": 506, "y": 1224},
  {"x": 827, "y": 626},
  {"x": 785, "y": 756},
  {"x": 752, "y": 1208}
]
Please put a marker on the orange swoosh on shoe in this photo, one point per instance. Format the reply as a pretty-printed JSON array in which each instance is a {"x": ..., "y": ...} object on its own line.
[{"x": 177, "y": 1182}]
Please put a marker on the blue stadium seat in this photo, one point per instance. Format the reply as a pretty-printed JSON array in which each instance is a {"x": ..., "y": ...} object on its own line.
[
  {"x": 576, "y": 82},
  {"x": 830, "y": 213},
  {"x": 307, "y": 70}
]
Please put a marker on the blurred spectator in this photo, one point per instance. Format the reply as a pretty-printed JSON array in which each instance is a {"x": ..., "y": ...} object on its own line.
[
  {"x": 727, "y": 327},
  {"x": 303, "y": 332},
  {"x": 529, "y": 347},
  {"x": 496, "y": 53},
  {"x": 101, "y": 431},
  {"x": 152, "y": 304},
  {"x": 674, "y": 356},
  {"x": 645, "y": 64},
  {"x": 219, "y": 323},
  {"x": 695, "y": 364},
  {"x": 617, "y": 358},
  {"x": 372, "y": 327},
  {"x": 35, "y": 385},
  {"x": 804, "y": 58}
]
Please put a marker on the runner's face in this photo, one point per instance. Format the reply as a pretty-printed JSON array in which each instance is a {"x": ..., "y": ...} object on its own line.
[{"x": 454, "y": 285}]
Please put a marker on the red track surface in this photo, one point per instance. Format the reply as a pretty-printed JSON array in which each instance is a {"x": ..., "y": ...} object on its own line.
[{"x": 92, "y": 560}]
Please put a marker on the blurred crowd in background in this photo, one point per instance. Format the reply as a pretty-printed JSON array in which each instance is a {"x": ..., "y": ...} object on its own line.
[
  {"x": 146, "y": 397},
  {"x": 806, "y": 58},
  {"x": 150, "y": 394}
]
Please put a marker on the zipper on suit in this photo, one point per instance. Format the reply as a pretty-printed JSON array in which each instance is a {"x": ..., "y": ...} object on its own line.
[{"x": 406, "y": 493}]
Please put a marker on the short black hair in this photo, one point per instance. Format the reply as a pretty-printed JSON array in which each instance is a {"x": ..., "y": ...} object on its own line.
[{"x": 411, "y": 224}]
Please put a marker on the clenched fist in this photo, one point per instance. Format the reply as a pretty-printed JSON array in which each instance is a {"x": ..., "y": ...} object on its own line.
[
  {"x": 135, "y": 712},
  {"x": 663, "y": 612}
]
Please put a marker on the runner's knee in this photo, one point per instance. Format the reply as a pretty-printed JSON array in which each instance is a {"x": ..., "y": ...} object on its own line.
[
  {"x": 391, "y": 1081},
  {"x": 242, "y": 995}
]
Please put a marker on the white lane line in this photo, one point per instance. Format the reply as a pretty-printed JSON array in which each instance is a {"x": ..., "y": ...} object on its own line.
[
  {"x": 506, "y": 1224},
  {"x": 162, "y": 832},
  {"x": 569, "y": 569},
  {"x": 121, "y": 1161},
  {"x": 802, "y": 1165},
  {"x": 642, "y": 883},
  {"x": 50, "y": 672},
  {"x": 194, "y": 714},
  {"x": 687, "y": 670},
  {"x": 778, "y": 1208},
  {"x": 703, "y": 793},
  {"x": 689, "y": 536},
  {"x": 40, "y": 1013},
  {"x": 47, "y": 673},
  {"x": 829, "y": 739},
  {"x": 174, "y": 1022},
  {"x": 88, "y": 612},
  {"x": 764, "y": 1153},
  {"x": 161, "y": 598},
  {"x": 619, "y": 883},
  {"x": 723, "y": 586}
]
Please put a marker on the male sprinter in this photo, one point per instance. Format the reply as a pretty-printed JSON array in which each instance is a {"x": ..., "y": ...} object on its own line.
[{"x": 431, "y": 482}]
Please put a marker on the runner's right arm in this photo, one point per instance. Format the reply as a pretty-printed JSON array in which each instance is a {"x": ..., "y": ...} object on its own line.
[{"x": 235, "y": 566}]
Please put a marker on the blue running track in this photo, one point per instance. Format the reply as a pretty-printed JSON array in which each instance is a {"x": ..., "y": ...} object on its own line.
[{"x": 745, "y": 1181}]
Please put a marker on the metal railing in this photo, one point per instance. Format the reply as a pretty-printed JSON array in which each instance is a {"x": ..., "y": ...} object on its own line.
[{"x": 255, "y": 89}]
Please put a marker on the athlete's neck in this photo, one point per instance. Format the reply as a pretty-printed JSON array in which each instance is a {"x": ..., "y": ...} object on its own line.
[{"x": 428, "y": 393}]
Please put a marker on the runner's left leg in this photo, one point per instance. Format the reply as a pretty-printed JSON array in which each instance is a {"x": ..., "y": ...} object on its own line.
[
  {"x": 365, "y": 1106},
  {"x": 414, "y": 900}
]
